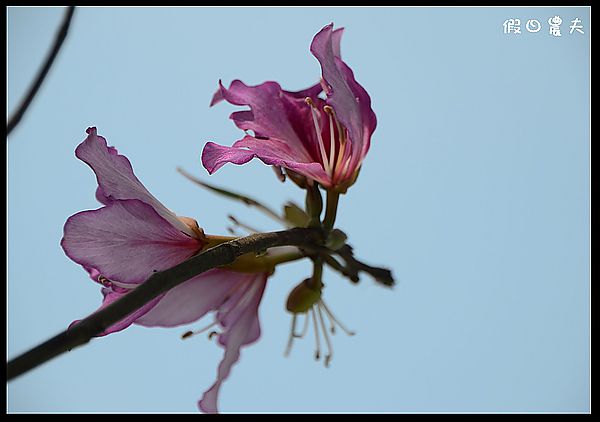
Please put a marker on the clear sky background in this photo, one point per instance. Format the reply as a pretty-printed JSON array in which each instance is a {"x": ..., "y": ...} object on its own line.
[{"x": 476, "y": 193}]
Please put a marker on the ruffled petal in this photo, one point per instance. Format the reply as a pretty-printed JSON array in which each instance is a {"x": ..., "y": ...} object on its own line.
[
  {"x": 348, "y": 98},
  {"x": 116, "y": 179},
  {"x": 126, "y": 241},
  {"x": 274, "y": 113},
  {"x": 192, "y": 299},
  {"x": 112, "y": 295},
  {"x": 241, "y": 327},
  {"x": 270, "y": 151}
]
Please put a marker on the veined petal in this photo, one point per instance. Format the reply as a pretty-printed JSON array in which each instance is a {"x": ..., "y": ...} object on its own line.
[
  {"x": 126, "y": 241},
  {"x": 116, "y": 179},
  {"x": 274, "y": 113},
  {"x": 270, "y": 151},
  {"x": 348, "y": 98},
  {"x": 241, "y": 327},
  {"x": 192, "y": 299},
  {"x": 112, "y": 295}
]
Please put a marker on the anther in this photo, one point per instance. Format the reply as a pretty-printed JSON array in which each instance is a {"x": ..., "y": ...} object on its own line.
[
  {"x": 104, "y": 281},
  {"x": 212, "y": 334},
  {"x": 188, "y": 334}
]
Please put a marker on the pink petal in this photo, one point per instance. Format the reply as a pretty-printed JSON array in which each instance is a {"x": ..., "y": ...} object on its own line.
[
  {"x": 126, "y": 241},
  {"x": 192, "y": 299},
  {"x": 111, "y": 296},
  {"x": 116, "y": 179},
  {"x": 348, "y": 98},
  {"x": 242, "y": 327},
  {"x": 274, "y": 113},
  {"x": 270, "y": 151}
]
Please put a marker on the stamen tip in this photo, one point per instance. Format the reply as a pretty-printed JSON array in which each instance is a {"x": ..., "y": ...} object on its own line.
[{"x": 187, "y": 334}]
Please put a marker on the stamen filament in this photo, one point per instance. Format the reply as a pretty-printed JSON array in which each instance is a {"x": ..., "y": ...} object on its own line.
[
  {"x": 329, "y": 355},
  {"x": 324, "y": 158},
  {"x": 335, "y": 320},
  {"x": 318, "y": 342},
  {"x": 291, "y": 339},
  {"x": 329, "y": 111},
  {"x": 304, "y": 329}
]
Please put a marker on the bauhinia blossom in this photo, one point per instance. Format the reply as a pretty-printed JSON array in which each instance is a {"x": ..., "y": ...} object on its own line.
[
  {"x": 323, "y": 140},
  {"x": 133, "y": 235}
]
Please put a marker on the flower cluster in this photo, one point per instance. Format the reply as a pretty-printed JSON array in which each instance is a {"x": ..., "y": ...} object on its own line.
[{"x": 318, "y": 142}]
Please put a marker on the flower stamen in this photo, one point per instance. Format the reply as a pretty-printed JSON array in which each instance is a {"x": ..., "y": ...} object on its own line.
[
  {"x": 318, "y": 342},
  {"x": 329, "y": 111},
  {"x": 315, "y": 117},
  {"x": 189, "y": 334},
  {"x": 329, "y": 355},
  {"x": 293, "y": 333},
  {"x": 291, "y": 338},
  {"x": 334, "y": 320}
]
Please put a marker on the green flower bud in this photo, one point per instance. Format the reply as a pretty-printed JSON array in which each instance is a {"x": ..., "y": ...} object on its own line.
[{"x": 302, "y": 298}]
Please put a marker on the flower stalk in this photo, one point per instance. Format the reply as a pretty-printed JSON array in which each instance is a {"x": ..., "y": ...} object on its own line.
[{"x": 331, "y": 210}]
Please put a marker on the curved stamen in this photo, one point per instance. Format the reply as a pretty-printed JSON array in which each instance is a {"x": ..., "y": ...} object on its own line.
[
  {"x": 329, "y": 355},
  {"x": 334, "y": 319},
  {"x": 324, "y": 158}
]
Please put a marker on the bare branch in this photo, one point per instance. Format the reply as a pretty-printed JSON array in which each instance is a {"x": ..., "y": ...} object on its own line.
[{"x": 58, "y": 42}]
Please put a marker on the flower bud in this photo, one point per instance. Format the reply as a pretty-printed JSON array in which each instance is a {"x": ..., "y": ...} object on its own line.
[
  {"x": 302, "y": 298},
  {"x": 336, "y": 239}
]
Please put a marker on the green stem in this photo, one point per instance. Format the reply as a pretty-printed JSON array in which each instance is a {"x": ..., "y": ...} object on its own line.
[
  {"x": 314, "y": 205},
  {"x": 331, "y": 210},
  {"x": 315, "y": 282}
]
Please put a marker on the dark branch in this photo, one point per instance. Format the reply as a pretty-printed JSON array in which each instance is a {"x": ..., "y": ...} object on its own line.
[
  {"x": 60, "y": 37},
  {"x": 354, "y": 266},
  {"x": 158, "y": 283}
]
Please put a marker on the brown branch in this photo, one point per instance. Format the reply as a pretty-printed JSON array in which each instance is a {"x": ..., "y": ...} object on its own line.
[
  {"x": 60, "y": 37},
  {"x": 158, "y": 283},
  {"x": 354, "y": 266}
]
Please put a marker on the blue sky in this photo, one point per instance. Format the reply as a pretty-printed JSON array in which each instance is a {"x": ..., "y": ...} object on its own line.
[{"x": 475, "y": 192}]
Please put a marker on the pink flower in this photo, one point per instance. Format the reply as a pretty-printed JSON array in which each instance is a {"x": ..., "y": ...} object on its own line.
[
  {"x": 133, "y": 235},
  {"x": 323, "y": 140}
]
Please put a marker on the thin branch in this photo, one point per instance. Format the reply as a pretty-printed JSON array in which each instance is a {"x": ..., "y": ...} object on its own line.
[
  {"x": 234, "y": 195},
  {"x": 58, "y": 42},
  {"x": 158, "y": 283}
]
